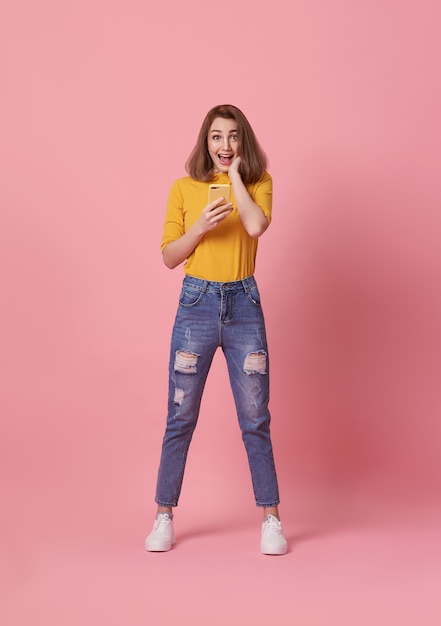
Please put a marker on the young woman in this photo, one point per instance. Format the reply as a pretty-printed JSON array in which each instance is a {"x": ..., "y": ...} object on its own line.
[{"x": 219, "y": 306}]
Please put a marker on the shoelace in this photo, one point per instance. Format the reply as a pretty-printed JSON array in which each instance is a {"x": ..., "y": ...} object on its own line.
[
  {"x": 163, "y": 523},
  {"x": 272, "y": 525}
]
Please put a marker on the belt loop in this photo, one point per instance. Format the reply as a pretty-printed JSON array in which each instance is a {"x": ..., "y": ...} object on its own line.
[
  {"x": 204, "y": 286},
  {"x": 245, "y": 285}
]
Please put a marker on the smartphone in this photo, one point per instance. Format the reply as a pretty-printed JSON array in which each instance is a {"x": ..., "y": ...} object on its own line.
[{"x": 221, "y": 190}]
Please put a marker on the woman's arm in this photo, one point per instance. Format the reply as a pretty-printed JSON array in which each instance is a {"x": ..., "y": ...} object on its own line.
[
  {"x": 253, "y": 218},
  {"x": 179, "y": 250}
]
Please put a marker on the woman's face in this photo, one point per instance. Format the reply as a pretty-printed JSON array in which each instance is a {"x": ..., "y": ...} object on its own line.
[{"x": 223, "y": 144}]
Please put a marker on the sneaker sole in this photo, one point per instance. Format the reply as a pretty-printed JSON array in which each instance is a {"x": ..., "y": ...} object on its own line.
[
  {"x": 274, "y": 552},
  {"x": 159, "y": 547}
]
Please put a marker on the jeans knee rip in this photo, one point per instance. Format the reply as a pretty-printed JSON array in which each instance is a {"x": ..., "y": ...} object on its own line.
[
  {"x": 186, "y": 362},
  {"x": 255, "y": 363}
]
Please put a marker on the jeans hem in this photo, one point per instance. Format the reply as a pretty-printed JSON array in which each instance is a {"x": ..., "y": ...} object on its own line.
[
  {"x": 266, "y": 506},
  {"x": 167, "y": 504}
]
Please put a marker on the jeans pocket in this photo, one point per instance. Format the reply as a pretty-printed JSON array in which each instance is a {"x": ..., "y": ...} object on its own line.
[
  {"x": 189, "y": 296},
  {"x": 254, "y": 295}
]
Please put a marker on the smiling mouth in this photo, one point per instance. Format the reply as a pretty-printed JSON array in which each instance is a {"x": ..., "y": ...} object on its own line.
[{"x": 225, "y": 160}]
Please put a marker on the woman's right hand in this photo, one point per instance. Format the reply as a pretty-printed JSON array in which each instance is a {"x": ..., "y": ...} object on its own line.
[{"x": 214, "y": 213}]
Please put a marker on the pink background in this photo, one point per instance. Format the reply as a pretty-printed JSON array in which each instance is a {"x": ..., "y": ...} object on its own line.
[{"x": 101, "y": 102}]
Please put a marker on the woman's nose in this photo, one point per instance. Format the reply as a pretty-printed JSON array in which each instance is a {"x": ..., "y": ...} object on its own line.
[{"x": 226, "y": 143}]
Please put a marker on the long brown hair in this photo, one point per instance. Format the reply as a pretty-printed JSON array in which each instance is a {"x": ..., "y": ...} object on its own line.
[{"x": 253, "y": 159}]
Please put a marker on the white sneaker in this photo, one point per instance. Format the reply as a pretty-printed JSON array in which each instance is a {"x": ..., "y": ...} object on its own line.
[
  {"x": 162, "y": 536},
  {"x": 273, "y": 541}
]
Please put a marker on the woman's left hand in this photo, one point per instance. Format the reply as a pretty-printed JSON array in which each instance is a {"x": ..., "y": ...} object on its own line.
[{"x": 234, "y": 167}]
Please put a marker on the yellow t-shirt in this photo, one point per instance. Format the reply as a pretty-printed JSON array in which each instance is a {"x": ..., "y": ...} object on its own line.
[{"x": 227, "y": 252}]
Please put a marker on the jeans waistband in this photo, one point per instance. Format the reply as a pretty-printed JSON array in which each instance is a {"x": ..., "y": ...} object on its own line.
[{"x": 245, "y": 284}]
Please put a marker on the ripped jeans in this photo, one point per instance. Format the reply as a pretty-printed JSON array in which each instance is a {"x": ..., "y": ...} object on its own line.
[{"x": 212, "y": 315}]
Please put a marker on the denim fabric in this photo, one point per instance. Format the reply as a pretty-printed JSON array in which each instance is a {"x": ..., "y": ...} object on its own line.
[{"x": 212, "y": 315}]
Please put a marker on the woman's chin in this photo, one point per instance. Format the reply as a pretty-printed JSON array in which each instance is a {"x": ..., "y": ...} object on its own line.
[
  {"x": 220, "y": 168},
  {"x": 223, "y": 168}
]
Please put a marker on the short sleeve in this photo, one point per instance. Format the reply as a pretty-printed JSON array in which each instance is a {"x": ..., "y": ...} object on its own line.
[
  {"x": 174, "y": 216},
  {"x": 262, "y": 194}
]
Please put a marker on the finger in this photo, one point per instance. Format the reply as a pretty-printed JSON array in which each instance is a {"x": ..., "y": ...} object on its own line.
[
  {"x": 216, "y": 203},
  {"x": 223, "y": 207},
  {"x": 219, "y": 214},
  {"x": 220, "y": 217}
]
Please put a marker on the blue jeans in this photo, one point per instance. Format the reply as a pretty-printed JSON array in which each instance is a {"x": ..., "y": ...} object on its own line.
[{"x": 212, "y": 315}]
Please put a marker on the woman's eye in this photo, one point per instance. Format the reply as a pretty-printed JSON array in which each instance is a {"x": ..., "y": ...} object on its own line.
[
  {"x": 216, "y": 137},
  {"x": 234, "y": 138}
]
